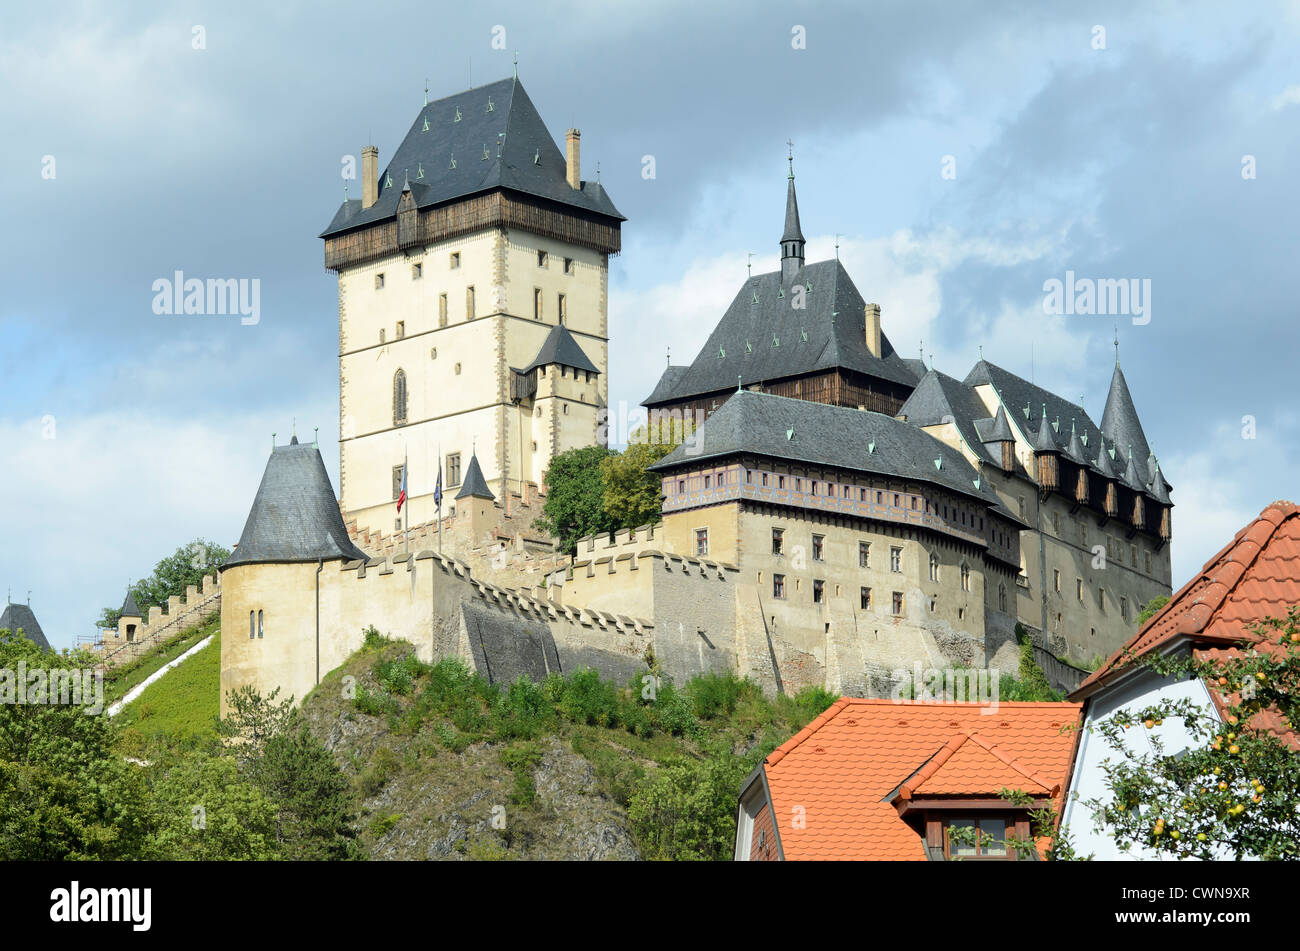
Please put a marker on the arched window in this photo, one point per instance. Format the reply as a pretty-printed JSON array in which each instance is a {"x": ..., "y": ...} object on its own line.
[
  {"x": 259, "y": 623},
  {"x": 399, "y": 398},
  {"x": 252, "y": 624}
]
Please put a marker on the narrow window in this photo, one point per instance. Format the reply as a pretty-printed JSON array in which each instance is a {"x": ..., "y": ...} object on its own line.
[
  {"x": 765, "y": 480},
  {"x": 701, "y": 542},
  {"x": 259, "y": 624},
  {"x": 379, "y": 281},
  {"x": 442, "y": 310},
  {"x": 542, "y": 258},
  {"x": 568, "y": 265},
  {"x": 399, "y": 398},
  {"x": 865, "y": 595},
  {"x": 864, "y": 554},
  {"x": 417, "y": 271},
  {"x": 778, "y": 586},
  {"x": 469, "y": 302},
  {"x": 897, "y": 605},
  {"x": 1078, "y": 589},
  {"x": 453, "y": 469},
  {"x": 1056, "y": 579},
  {"x": 818, "y": 542},
  {"x": 561, "y": 310},
  {"x": 537, "y": 303},
  {"x": 397, "y": 482},
  {"x": 1002, "y": 598},
  {"x": 252, "y": 624},
  {"x": 401, "y": 329},
  {"x": 965, "y": 577},
  {"x": 455, "y": 260},
  {"x": 934, "y": 568},
  {"x": 896, "y": 560},
  {"x": 778, "y": 540},
  {"x": 819, "y": 591}
]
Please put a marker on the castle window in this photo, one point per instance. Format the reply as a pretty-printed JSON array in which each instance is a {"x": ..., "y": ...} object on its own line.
[
  {"x": 798, "y": 485},
  {"x": 568, "y": 265},
  {"x": 707, "y": 481},
  {"x": 897, "y": 604},
  {"x": 814, "y": 487},
  {"x": 880, "y": 498},
  {"x": 778, "y": 540},
  {"x": 1133, "y": 555},
  {"x": 780, "y": 482},
  {"x": 1078, "y": 589},
  {"x": 542, "y": 258},
  {"x": 537, "y": 303},
  {"x": 864, "y": 595},
  {"x": 382, "y": 335},
  {"x": 1056, "y": 579},
  {"x": 457, "y": 369},
  {"x": 1021, "y": 503},
  {"x": 898, "y": 501},
  {"x": 442, "y": 310},
  {"x": 764, "y": 478},
  {"x": 1056, "y": 523},
  {"x": 1101, "y": 600},
  {"x": 862, "y": 495},
  {"x": 778, "y": 586},
  {"x": 259, "y": 624},
  {"x": 560, "y": 309},
  {"x": 453, "y": 469},
  {"x": 933, "y": 603},
  {"x": 379, "y": 281},
  {"x": 965, "y": 577},
  {"x": 749, "y": 477},
  {"x": 399, "y": 398},
  {"x": 681, "y": 485},
  {"x": 896, "y": 560},
  {"x": 566, "y": 409},
  {"x": 455, "y": 260},
  {"x": 1123, "y": 608},
  {"x": 397, "y": 482},
  {"x": 934, "y": 567},
  {"x": 701, "y": 542},
  {"x": 469, "y": 302},
  {"x": 864, "y": 554},
  {"x": 914, "y": 503},
  {"x": 252, "y": 624},
  {"x": 433, "y": 353},
  {"x": 818, "y": 547},
  {"x": 401, "y": 329},
  {"x": 819, "y": 591},
  {"x": 417, "y": 271},
  {"x": 1002, "y": 598},
  {"x": 1148, "y": 560}
]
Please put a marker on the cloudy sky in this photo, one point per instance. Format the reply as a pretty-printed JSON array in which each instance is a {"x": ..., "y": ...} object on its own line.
[{"x": 964, "y": 154}]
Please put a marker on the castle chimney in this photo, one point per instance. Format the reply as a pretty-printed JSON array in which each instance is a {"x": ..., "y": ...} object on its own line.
[
  {"x": 369, "y": 176},
  {"x": 873, "y": 328},
  {"x": 573, "y": 164}
]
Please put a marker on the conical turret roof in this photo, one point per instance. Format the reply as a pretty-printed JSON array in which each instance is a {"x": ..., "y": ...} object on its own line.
[
  {"x": 474, "y": 486},
  {"x": 19, "y": 617},
  {"x": 129, "y": 607},
  {"x": 1119, "y": 421},
  {"x": 295, "y": 515}
]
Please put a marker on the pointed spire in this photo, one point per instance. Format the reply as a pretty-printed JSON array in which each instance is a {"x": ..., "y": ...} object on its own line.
[
  {"x": 129, "y": 607},
  {"x": 1119, "y": 421},
  {"x": 1044, "y": 442},
  {"x": 1131, "y": 475},
  {"x": 1074, "y": 449},
  {"x": 474, "y": 485},
  {"x": 1001, "y": 427},
  {"x": 1103, "y": 464},
  {"x": 792, "y": 240},
  {"x": 1159, "y": 487}
]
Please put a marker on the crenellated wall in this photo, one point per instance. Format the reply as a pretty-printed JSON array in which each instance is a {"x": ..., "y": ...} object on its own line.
[{"x": 201, "y": 602}]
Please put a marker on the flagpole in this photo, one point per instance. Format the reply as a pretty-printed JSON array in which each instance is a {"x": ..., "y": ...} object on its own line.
[
  {"x": 439, "y": 498},
  {"x": 406, "y": 477}
]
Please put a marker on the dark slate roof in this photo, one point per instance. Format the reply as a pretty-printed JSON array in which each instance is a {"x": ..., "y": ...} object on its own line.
[
  {"x": 779, "y": 427},
  {"x": 1074, "y": 448},
  {"x": 1026, "y": 402},
  {"x": 1045, "y": 441},
  {"x": 295, "y": 515},
  {"x": 560, "y": 347},
  {"x": 512, "y": 134},
  {"x": 1159, "y": 488},
  {"x": 20, "y": 617},
  {"x": 998, "y": 429},
  {"x": 792, "y": 230},
  {"x": 129, "y": 607},
  {"x": 667, "y": 384},
  {"x": 829, "y": 332},
  {"x": 939, "y": 398},
  {"x": 1120, "y": 423},
  {"x": 1103, "y": 463},
  {"x": 474, "y": 484}
]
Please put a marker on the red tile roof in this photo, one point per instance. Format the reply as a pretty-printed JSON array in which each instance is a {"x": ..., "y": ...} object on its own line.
[
  {"x": 844, "y": 769},
  {"x": 1254, "y": 576}
]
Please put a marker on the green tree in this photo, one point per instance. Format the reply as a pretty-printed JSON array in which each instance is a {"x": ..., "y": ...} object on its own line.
[
  {"x": 575, "y": 492},
  {"x": 64, "y": 792},
  {"x": 1154, "y": 605},
  {"x": 171, "y": 576},
  {"x": 687, "y": 810},
  {"x": 1233, "y": 791},
  {"x": 633, "y": 495},
  {"x": 311, "y": 793},
  {"x": 207, "y": 811}
]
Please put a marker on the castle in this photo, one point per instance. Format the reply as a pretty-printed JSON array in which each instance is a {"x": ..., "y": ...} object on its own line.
[{"x": 838, "y": 513}]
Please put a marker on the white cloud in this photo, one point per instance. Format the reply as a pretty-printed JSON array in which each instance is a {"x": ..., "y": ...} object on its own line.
[{"x": 1290, "y": 96}]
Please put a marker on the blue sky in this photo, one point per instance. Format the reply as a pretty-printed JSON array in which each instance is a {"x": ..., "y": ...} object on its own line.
[{"x": 1117, "y": 162}]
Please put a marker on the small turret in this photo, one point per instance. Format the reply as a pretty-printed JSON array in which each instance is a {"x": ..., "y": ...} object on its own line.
[{"x": 792, "y": 241}]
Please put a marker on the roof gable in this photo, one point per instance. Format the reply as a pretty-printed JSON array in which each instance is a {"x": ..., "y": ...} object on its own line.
[
  {"x": 561, "y": 347},
  {"x": 474, "y": 485}
]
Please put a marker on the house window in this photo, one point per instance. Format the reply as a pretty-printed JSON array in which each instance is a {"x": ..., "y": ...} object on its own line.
[
  {"x": 896, "y": 560},
  {"x": 701, "y": 542},
  {"x": 469, "y": 302},
  {"x": 260, "y": 629},
  {"x": 778, "y": 586},
  {"x": 453, "y": 469},
  {"x": 864, "y": 554},
  {"x": 442, "y": 310},
  {"x": 399, "y": 398},
  {"x": 1056, "y": 579},
  {"x": 778, "y": 540},
  {"x": 819, "y": 591},
  {"x": 982, "y": 838},
  {"x": 455, "y": 260},
  {"x": 401, "y": 329},
  {"x": 865, "y": 595},
  {"x": 561, "y": 310},
  {"x": 542, "y": 258},
  {"x": 1078, "y": 589},
  {"x": 965, "y": 577},
  {"x": 897, "y": 605},
  {"x": 568, "y": 265},
  {"x": 379, "y": 281},
  {"x": 417, "y": 271},
  {"x": 818, "y": 541},
  {"x": 537, "y": 303},
  {"x": 934, "y": 567}
]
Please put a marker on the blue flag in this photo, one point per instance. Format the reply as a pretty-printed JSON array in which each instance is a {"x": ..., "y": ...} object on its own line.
[{"x": 437, "y": 492}]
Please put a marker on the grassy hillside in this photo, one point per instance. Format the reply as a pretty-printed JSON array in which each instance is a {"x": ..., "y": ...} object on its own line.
[
  {"x": 181, "y": 706},
  {"x": 118, "y": 681},
  {"x": 444, "y": 765}
]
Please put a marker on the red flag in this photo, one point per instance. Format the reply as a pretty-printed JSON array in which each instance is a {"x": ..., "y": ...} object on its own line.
[{"x": 402, "y": 495}]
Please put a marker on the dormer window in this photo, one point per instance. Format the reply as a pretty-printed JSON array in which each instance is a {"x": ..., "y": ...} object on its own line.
[{"x": 976, "y": 838}]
